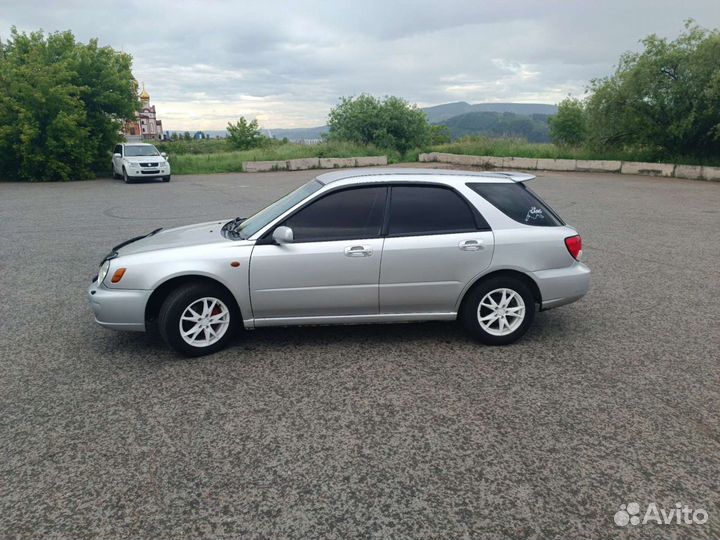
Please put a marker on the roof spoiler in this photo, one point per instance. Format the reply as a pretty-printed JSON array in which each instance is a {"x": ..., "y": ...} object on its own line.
[{"x": 517, "y": 176}]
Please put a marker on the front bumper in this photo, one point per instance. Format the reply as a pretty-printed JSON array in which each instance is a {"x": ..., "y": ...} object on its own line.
[
  {"x": 118, "y": 309},
  {"x": 562, "y": 286}
]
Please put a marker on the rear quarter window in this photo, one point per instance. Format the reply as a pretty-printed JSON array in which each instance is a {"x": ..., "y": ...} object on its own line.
[{"x": 518, "y": 203}]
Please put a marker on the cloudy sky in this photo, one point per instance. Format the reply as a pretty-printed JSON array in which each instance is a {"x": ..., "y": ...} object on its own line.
[{"x": 286, "y": 63}]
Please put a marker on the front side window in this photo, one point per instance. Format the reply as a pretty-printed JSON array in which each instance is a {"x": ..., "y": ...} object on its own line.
[
  {"x": 416, "y": 210},
  {"x": 343, "y": 215},
  {"x": 518, "y": 203},
  {"x": 273, "y": 211},
  {"x": 118, "y": 150}
]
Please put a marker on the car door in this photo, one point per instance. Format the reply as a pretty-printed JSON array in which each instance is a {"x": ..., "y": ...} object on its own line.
[
  {"x": 117, "y": 161},
  {"x": 332, "y": 266},
  {"x": 436, "y": 243}
]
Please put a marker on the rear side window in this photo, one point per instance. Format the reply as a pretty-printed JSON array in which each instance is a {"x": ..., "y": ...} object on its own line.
[
  {"x": 343, "y": 215},
  {"x": 519, "y": 203},
  {"x": 416, "y": 210}
]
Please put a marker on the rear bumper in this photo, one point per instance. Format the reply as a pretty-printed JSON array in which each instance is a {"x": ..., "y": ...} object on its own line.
[
  {"x": 118, "y": 309},
  {"x": 562, "y": 286}
]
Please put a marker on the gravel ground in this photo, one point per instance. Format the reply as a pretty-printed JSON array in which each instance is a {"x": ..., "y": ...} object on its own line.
[{"x": 399, "y": 431}]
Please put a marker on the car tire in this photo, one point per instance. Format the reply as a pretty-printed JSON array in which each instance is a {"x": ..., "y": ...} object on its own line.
[
  {"x": 113, "y": 174},
  {"x": 498, "y": 311},
  {"x": 125, "y": 177},
  {"x": 166, "y": 179},
  {"x": 186, "y": 315}
]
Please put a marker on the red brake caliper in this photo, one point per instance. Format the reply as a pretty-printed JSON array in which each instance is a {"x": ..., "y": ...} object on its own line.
[{"x": 215, "y": 311}]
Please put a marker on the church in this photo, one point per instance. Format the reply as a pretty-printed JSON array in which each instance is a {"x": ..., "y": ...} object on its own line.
[{"x": 146, "y": 126}]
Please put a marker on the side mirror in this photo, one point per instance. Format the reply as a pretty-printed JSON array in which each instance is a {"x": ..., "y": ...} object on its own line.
[
  {"x": 283, "y": 235},
  {"x": 163, "y": 154},
  {"x": 116, "y": 155}
]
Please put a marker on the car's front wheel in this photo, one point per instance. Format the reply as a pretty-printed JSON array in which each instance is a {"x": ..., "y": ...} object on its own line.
[
  {"x": 198, "y": 319},
  {"x": 166, "y": 179},
  {"x": 125, "y": 176},
  {"x": 499, "y": 311}
]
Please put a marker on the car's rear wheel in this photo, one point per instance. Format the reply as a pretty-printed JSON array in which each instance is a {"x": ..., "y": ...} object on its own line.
[
  {"x": 113, "y": 173},
  {"x": 198, "y": 318},
  {"x": 125, "y": 176},
  {"x": 499, "y": 311}
]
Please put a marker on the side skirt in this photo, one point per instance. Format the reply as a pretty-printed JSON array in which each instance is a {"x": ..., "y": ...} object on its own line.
[{"x": 350, "y": 319}]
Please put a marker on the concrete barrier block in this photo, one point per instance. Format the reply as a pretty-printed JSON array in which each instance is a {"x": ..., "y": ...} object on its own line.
[
  {"x": 443, "y": 157},
  {"x": 427, "y": 158},
  {"x": 466, "y": 160},
  {"x": 556, "y": 164},
  {"x": 599, "y": 165},
  {"x": 520, "y": 163},
  {"x": 302, "y": 164},
  {"x": 490, "y": 162},
  {"x": 651, "y": 169},
  {"x": 370, "y": 161},
  {"x": 711, "y": 173},
  {"x": 335, "y": 163},
  {"x": 694, "y": 172},
  {"x": 264, "y": 166}
]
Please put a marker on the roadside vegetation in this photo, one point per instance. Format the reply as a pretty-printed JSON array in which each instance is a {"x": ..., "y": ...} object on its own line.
[
  {"x": 661, "y": 104},
  {"x": 61, "y": 106},
  {"x": 232, "y": 160}
]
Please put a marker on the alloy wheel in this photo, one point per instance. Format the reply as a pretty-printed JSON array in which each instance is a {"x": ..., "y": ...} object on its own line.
[
  {"x": 204, "y": 322},
  {"x": 501, "y": 312}
]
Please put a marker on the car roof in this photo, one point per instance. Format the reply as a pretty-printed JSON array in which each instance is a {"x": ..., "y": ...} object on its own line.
[{"x": 422, "y": 175}]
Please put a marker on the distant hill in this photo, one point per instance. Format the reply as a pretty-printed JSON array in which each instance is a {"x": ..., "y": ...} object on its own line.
[
  {"x": 439, "y": 113},
  {"x": 533, "y": 127},
  {"x": 528, "y": 120}
]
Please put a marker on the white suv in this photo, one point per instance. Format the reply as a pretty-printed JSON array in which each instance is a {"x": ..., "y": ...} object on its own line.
[{"x": 139, "y": 161}]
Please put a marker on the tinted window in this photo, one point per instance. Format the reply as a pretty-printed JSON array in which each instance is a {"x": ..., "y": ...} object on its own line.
[
  {"x": 353, "y": 213},
  {"x": 428, "y": 210},
  {"x": 519, "y": 203},
  {"x": 118, "y": 150}
]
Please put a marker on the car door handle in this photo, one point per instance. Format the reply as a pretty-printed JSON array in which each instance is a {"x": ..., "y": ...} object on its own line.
[
  {"x": 358, "y": 251},
  {"x": 471, "y": 245}
]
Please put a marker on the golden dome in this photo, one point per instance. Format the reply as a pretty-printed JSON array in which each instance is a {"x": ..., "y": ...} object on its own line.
[{"x": 144, "y": 95}]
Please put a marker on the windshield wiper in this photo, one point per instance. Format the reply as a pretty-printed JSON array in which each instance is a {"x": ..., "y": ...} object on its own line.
[{"x": 233, "y": 226}]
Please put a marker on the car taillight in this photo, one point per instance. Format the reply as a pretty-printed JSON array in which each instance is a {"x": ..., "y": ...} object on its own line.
[{"x": 574, "y": 246}]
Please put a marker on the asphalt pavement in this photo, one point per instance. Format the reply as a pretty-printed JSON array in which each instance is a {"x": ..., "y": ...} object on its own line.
[{"x": 378, "y": 431}]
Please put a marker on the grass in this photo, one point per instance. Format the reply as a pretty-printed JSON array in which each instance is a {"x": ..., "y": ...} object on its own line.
[
  {"x": 231, "y": 161},
  {"x": 486, "y": 146}
]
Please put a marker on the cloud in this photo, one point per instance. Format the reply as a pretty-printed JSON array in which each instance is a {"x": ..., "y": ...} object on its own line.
[{"x": 208, "y": 62}]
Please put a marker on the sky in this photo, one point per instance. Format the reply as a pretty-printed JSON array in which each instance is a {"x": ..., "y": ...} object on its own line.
[{"x": 287, "y": 63}]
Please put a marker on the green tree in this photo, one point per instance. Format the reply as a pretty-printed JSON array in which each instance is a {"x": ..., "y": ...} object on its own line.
[
  {"x": 568, "y": 126},
  {"x": 439, "y": 134},
  {"x": 244, "y": 135},
  {"x": 187, "y": 136},
  {"x": 665, "y": 98},
  {"x": 62, "y": 105},
  {"x": 174, "y": 136},
  {"x": 390, "y": 122}
]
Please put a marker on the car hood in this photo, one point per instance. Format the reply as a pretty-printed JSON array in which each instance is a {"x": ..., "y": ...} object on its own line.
[
  {"x": 189, "y": 235},
  {"x": 145, "y": 159}
]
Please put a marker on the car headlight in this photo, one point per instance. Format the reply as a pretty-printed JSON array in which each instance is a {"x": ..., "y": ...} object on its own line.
[{"x": 104, "y": 267}]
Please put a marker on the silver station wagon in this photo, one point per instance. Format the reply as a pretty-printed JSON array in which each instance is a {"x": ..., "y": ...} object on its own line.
[{"x": 356, "y": 246}]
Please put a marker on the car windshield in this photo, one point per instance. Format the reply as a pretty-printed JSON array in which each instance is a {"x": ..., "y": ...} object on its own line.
[
  {"x": 256, "y": 222},
  {"x": 144, "y": 150}
]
